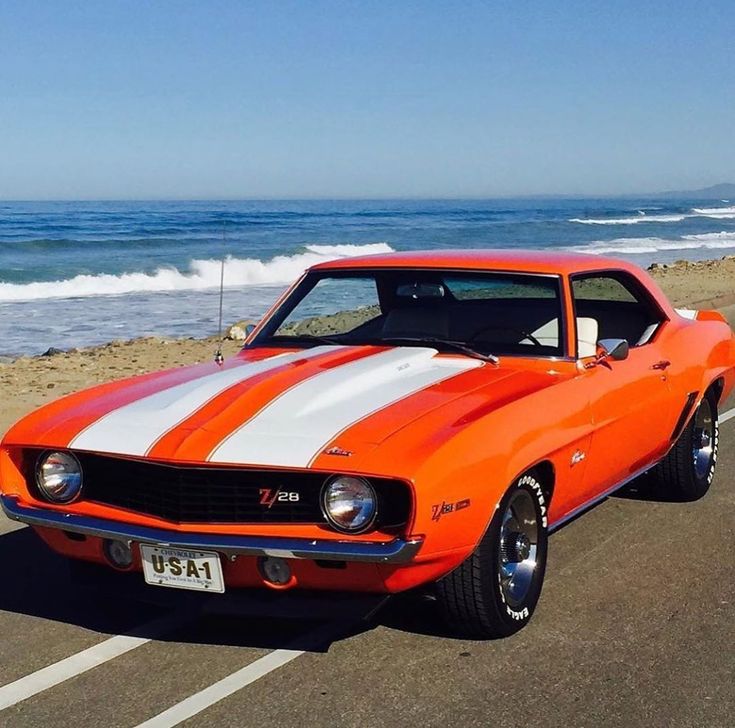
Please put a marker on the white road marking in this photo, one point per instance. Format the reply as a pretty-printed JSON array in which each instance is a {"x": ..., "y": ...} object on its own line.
[
  {"x": 70, "y": 667},
  {"x": 231, "y": 684},
  {"x": 725, "y": 416}
]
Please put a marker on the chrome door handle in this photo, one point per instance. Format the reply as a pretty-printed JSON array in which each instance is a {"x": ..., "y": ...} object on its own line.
[{"x": 661, "y": 365}]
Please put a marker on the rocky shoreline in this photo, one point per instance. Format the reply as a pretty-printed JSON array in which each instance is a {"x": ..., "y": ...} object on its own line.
[{"x": 705, "y": 283}]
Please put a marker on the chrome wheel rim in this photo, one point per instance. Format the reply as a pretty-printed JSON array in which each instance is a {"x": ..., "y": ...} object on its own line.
[
  {"x": 519, "y": 532},
  {"x": 703, "y": 439}
]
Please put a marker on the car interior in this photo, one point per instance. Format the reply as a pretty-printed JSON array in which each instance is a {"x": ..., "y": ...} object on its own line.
[
  {"x": 618, "y": 305},
  {"x": 510, "y": 314},
  {"x": 428, "y": 307}
]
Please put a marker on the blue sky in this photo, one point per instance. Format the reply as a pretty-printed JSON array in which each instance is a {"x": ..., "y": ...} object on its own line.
[{"x": 107, "y": 100}]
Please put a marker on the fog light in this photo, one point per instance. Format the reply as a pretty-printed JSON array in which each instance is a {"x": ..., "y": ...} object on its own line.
[
  {"x": 118, "y": 553},
  {"x": 275, "y": 570}
]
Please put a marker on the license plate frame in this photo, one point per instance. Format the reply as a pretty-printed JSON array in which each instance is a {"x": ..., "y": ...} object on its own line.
[{"x": 160, "y": 570}]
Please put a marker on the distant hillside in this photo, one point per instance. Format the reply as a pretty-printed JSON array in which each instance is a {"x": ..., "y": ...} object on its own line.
[{"x": 725, "y": 190}]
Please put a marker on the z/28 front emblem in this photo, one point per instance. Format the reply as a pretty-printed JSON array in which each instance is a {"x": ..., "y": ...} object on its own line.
[
  {"x": 440, "y": 509},
  {"x": 269, "y": 496}
]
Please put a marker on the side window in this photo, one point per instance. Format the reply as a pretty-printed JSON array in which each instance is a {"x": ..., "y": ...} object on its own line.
[
  {"x": 334, "y": 306},
  {"x": 601, "y": 288},
  {"x": 618, "y": 305}
]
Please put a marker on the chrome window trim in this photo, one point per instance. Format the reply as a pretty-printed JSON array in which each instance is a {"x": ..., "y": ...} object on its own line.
[
  {"x": 602, "y": 272},
  {"x": 271, "y": 318}
]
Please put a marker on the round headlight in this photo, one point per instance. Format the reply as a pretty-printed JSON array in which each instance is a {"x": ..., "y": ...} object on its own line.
[
  {"x": 349, "y": 504},
  {"x": 59, "y": 477}
]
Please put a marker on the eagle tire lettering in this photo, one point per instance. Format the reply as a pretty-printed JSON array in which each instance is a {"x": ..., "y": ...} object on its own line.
[
  {"x": 715, "y": 447},
  {"x": 474, "y": 597}
]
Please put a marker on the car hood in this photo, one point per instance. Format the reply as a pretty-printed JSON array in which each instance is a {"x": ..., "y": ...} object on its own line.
[{"x": 267, "y": 407}]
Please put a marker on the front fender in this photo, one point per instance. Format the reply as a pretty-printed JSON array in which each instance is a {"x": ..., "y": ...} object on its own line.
[{"x": 466, "y": 465}]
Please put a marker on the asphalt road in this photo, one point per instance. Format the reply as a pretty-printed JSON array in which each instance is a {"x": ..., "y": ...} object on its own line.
[{"x": 636, "y": 626}]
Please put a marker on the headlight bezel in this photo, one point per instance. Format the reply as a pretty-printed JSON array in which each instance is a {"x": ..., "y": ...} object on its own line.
[
  {"x": 336, "y": 525},
  {"x": 43, "y": 490}
]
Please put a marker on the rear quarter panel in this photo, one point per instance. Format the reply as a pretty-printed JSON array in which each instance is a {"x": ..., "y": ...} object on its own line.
[{"x": 701, "y": 351}]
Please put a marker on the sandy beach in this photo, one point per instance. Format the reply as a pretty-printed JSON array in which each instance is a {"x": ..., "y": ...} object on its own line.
[{"x": 29, "y": 382}]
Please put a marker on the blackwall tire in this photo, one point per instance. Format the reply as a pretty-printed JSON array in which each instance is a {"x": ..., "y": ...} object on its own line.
[
  {"x": 687, "y": 471},
  {"x": 494, "y": 592}
]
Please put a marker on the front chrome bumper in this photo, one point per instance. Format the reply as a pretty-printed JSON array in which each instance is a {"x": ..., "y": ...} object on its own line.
[{"x": 398, "y": 551}]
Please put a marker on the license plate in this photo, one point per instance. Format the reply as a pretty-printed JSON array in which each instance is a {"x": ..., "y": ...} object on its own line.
[{"x": 181, "y": 568}]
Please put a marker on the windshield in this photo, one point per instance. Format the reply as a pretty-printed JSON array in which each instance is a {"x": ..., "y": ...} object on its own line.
[{"x": 488, "y": 312}]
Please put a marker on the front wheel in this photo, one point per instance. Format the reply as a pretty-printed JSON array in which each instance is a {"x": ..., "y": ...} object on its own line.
[
  {"x": 494, "y": 592},
  {"x": 687, "y": 470}
]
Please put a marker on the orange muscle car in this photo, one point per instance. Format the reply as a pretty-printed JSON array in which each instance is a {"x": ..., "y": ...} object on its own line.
[{"x": 395, "y": 421}]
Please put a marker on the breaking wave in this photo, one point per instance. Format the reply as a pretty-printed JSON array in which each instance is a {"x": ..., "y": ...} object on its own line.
[
  {"x": 720, "y": 213},
  {"x": 633, "y": 220},
  {"x": 717, "y": 213},
  {"x": 634, "y": 246},
  {"x": 201, "y": 274}
]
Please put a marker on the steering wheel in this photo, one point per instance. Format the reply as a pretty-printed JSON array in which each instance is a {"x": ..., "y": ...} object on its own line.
[{"x": 491, "y": 327}]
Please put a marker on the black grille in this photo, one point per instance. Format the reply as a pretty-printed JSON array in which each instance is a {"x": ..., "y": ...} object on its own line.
[{"x": 222, "y": 495}]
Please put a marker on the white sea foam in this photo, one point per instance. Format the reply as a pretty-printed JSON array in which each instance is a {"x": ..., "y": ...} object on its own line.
[
  {"x": 628, "y": 220},
  {"x": 718, "y": 213},
  {"x": 640, "y": 246},
  {"x": 202, "y": 274},
  {"x": 714, "y": 210}
]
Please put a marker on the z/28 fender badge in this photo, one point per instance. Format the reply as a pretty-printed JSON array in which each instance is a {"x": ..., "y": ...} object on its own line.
[{"x": 440, "y": 509}]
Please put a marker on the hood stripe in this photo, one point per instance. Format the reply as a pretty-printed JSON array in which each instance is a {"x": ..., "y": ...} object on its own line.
[
  {"x": 195, "y": 438},
  {"x": 135, "y": 427},
  {"x": 293, "y": 429},
  {"x": 58, "y": 423}
]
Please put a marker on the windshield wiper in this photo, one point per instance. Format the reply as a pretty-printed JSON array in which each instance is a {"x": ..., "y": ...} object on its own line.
[
  {"x": 306, "y": 338},
  {"x": 455, "y": 345}
]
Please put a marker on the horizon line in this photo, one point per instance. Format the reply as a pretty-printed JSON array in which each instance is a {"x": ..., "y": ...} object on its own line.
[{"x": 398, "y": 198}]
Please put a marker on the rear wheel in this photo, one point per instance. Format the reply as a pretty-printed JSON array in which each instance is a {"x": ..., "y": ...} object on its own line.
[
  {"x": 494, "y": 592},
  {"x": 687, "y": 471}
]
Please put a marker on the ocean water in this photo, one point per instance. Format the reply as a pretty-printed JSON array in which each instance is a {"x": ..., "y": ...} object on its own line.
[{"x": 80, "y": 273}]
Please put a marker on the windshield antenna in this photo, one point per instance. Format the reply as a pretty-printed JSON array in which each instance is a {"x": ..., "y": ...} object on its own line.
[{"x": 218, "y": 356}]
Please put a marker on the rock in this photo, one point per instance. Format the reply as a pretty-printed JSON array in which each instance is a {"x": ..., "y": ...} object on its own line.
[
  {"x": 658, "y": 266},
  {"x": 52, "y": 351},
  {"x": 238, "y": 331}
]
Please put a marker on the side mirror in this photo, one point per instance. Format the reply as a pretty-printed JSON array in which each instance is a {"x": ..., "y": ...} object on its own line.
[
  {"x": 615, "y": 349},
  {"x": 249, "y": 329}
]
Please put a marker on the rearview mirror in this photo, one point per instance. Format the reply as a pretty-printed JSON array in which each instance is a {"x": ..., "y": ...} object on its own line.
[
  {"x": 419, "y": 290},
  {"x": 615, "y": 349}
]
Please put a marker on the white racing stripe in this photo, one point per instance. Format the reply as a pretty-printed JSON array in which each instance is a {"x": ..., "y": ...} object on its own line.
[
  {"x": 70, "y": 667},
  {"x": 229, "y": 685},
  {"x": 293, "y": 429},
  {"x": 134, "y": 428}
]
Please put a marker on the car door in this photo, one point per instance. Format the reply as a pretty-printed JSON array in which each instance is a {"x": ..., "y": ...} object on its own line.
[{"x": 631, "y": 401}]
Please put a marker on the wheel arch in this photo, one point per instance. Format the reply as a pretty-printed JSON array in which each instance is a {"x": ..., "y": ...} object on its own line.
[
  {"x": 717, "y": 387},
  {"x": 546, "y": 473}
]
